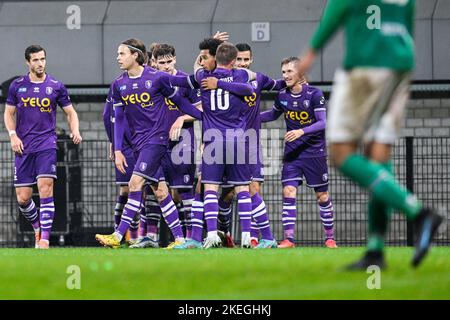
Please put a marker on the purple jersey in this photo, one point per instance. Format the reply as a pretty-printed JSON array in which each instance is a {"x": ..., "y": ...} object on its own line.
[
  {"x": 143, "y": 100},
  {"x": 109, "y": 119},
  {"x": 299, "y": 112},
  {"x": 262, "y": 82},
  {"x": 221, "y": 109},
  {"x": 193, "y": 95},
  {"x": 36, "y": 105}
]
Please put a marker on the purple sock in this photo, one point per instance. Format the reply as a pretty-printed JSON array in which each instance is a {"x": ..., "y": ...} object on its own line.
[
  {"x": 197, "y": 218},
  {"x": 134, "y": 225},
  {"x": 259, "y": 214},
  {"x": 187, "y": 198},
  {"x": 289, "y": 217},
  {"x": 224, "y": 218},
  {"x": 245, "y": 210},
  {"x": 153, "y": 213},
  {"x": 326, "y": 215},
  {"x": 30, "y": 213},
  {"x": 211, "y": 207},
  {"x": 47, "y": 212},
  {"x": 254, "y": 231},
  {"x": 170, "y": 214},
  {"x": 181, "y": 217},
  {"x": 129, "y": 211},
  {"x": 118, "y": 209}
]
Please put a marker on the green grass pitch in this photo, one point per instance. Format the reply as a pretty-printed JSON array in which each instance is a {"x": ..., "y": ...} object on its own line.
[{"x": 300, "y": 273}]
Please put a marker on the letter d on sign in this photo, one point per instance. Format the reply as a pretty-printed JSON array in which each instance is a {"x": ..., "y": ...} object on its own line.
[{"x": 74, "y": 280}]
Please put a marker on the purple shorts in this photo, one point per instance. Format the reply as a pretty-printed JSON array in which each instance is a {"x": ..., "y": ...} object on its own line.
[
  {"x": 148, "y": 163},
  {"x": 30, "y": 167},
  {"x": 234, "y": 170},
  {"x": 179, "y": 176},
  {"x": 315, "y": 171},
  {"x": 123, "y": 179}
]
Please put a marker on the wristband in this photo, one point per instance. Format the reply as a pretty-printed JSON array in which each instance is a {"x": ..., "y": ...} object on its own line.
[{"x": 12, "y": 132}]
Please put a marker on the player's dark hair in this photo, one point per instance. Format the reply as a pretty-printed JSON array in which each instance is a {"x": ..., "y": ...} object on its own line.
[
  {"x": 289, "y": 60},
  {"x": 163, "y": 50},
  {"x": 210, "y": 44},
  {"x": 35, "y": 48},
  {"x": 226, "y": 53},
  {"x": 244, "y": 47},
  {"x": 137, "y": 46}
]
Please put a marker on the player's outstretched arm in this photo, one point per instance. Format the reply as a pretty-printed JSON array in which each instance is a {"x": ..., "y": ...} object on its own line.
[
  {"x": 270, "y": 115},
  {"x": 186, "y": 107},
  {"x": 237, "y": 88},
  {"x": 10, "y": 124},
  {"x": 74, "y": 124}
]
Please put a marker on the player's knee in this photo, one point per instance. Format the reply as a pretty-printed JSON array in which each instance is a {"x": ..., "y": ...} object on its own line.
[
  {"x": 46, "y": 190},
  {"x": 289, "y": 192},
  {"x": 254, "y": 188},
  {"x": 322, "y": 197},
  {"x": 161, "y": 194},
  {"x": 124, "y": 190},
  {"x": 22, "y": 199}
]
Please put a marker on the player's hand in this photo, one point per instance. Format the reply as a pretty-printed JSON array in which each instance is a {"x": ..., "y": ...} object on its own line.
[
  {"x": 175, "y": 130},
  {"x": 16, "y": 144},
  {"x": 111, "y": 152},
  {"x": 76, "y": 137},
  {"x": 306, "y": 62},
  {"x": 209, "y": 83},
  {"x": 121, "y": 162},
  {"x": 224, "y": 36},
  {"x": 293, "y": 135}
]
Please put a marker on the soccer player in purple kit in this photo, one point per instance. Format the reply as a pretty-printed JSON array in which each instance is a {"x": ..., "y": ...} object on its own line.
[
  {"x": 305, "y": 152},
  {"x": 179, "y": 173},
  {"x": 224, "y": 135},
  {"x": 30, "y": 118},
  {"x": 260, "y": 220},
  {"x": 139, "y": 95},
  {"x": 122, "y": 179}
]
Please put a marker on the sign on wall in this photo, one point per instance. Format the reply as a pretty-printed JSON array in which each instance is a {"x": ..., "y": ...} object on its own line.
[{"x": 260, "y": 31}]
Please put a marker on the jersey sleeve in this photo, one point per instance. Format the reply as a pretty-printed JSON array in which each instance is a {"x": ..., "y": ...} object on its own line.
[
  {"x": 277, "y": 106},
  {"x": 63, "y": 97},
  {"x": 12, "y": 97},
  {"x": 115, "y": 96},
  {"x": 333, "y": 17},
  {"x": 318, "y": 101},
  {"x": 108, "y": 116},
  {"x": 165, "y": 86}
]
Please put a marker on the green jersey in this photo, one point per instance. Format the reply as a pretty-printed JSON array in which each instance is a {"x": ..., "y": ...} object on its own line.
[{"x": 379, "y": 33}]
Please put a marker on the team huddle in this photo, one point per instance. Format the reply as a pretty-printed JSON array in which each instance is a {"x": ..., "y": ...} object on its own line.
[{"x": 149, "y": 119}]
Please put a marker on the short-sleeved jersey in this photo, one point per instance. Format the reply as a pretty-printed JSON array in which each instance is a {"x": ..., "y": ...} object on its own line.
[
  {"x": 299, "y": 113},
  {"x": 36, "y": 105},
  {"x": 109, "y": 120},
  {"x": 194, "y": 97},
  {"x": 143, "y": 100},
  {"x": 222, "y": 110}
]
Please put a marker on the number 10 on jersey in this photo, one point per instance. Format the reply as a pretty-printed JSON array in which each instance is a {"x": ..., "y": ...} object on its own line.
[{"x": 220, "y": 98}]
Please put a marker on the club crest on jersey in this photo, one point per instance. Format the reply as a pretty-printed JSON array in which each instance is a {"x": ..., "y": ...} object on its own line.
[
  {"x": 148, "y": 84},
  {"x": 186, "y": 178},
  {"x": 121, "y": 88},
  {"x": 306, "y": 103},
  {"x": 255, "y": 84},
  {"x": 48, "y": 90},
  {"x": 142, "y": 166},
  {"x": 22, "y": 89}
]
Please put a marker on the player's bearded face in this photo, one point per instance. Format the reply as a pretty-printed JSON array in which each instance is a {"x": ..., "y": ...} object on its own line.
[
  {"x": 290, "y": 74},
  {"x": 125, "y": 58},
  {"x": 207, "y": 61},
  {"x": 244, "y": 59},
  {"x": 37, "y": 63}
]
